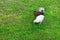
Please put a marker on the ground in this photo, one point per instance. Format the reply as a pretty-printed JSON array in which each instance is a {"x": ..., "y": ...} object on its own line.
[{"x": 16, "y": 20}]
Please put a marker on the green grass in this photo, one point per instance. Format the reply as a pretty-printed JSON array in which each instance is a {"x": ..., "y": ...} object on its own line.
[{"x": 16, "y": 17}]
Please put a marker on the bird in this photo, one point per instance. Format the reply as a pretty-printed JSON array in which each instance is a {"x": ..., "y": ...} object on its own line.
[{"x": 39, "y": 15}]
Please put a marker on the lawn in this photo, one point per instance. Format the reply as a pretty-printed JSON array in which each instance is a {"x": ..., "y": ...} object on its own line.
[{"x": 16, "y": 20}]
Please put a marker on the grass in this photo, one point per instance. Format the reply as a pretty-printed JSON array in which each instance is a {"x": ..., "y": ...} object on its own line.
[{"x": 16, "y": 17}]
